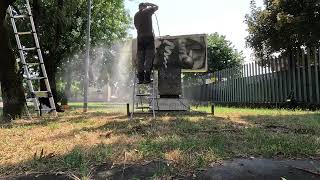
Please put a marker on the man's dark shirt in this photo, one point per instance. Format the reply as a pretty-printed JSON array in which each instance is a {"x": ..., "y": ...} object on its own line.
[{"x": 143, "y": 22}]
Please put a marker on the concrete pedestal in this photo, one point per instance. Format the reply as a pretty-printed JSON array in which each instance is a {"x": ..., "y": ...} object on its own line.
[{"x": 172, "y": 104}]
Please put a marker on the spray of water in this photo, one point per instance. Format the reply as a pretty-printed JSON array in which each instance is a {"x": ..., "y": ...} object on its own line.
[{"x": 111, "y": 73}]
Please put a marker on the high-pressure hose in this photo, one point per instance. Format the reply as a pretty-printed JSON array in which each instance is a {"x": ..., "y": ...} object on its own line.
[{"x": 157, "y": 24}]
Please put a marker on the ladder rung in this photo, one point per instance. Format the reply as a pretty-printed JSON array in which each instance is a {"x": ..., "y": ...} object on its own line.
[
  {"x": 25, "y": 33},
  {"x": 145, "y": 107},
  {"x": 36, "y": 78},
  {"x": 149, "y": 84},
  {"x": 29, "y": 49},
  {"x": 42, "y": 94},
  {"x": 143, "y": 113},
  {"x": 49, "y": 110},
  {"x": 32, "y": 64},
  {"x": 143, "y": 95},
  {"x": 21, "y": 16}
]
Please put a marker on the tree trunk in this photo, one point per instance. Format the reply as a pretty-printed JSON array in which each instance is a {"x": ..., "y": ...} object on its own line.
[
  {"x": 11, "y": 82},
  {"x": 51, "y": 60}
]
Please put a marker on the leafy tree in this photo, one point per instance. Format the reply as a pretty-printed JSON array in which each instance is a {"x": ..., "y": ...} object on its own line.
[
  {"x": 61, "y": 27},
  {"x": 282, "y": 26},
  {"x": 221, "y": 55}
]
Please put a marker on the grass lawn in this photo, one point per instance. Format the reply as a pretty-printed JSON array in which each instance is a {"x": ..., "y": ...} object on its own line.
[{"x": 76, "y": 142}]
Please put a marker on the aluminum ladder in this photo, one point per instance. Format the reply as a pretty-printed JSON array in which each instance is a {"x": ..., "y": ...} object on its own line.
[
  {"x": 35, "y": 95},
  {"x": 144, "y": 94}
]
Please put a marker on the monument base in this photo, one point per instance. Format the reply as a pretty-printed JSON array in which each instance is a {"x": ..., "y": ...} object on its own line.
[{"x": 171, "y": 104}]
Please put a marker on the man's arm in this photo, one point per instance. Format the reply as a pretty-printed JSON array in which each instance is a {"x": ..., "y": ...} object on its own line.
[
  {"x": 135, "y": 21},
  {"x": 151, "y": 7}
]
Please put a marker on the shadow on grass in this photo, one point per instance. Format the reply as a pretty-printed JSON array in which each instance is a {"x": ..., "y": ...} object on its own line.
[
  {"x": 82, "y": 162},
  {"x": 189, "y": 141},
  {"x": 72, "y": 118},
  {"x": 171, "y": 135},
  {"x": 308, "y": 124}
]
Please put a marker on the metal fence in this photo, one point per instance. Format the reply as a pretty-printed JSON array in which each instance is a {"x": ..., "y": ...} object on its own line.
[{"x": 293, "y": 79}]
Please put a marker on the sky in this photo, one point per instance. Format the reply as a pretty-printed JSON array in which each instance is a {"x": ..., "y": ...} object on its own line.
[{"x": 181, "y": 17}]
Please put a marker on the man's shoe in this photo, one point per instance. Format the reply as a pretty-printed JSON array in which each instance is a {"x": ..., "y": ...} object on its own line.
[
  {"x": 147, "y": 78},
  {"x": 140, "y": 78}
]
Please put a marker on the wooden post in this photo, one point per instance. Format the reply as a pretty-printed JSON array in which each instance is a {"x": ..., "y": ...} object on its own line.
[
  {"x": 128, "y": 110},
  {"x": 212, "y": 109}
]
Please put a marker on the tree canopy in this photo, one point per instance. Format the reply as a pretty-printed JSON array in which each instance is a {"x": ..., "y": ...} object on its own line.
[
  {"x": 282, "y": 25},
  {"x": 61, "y": 29}
]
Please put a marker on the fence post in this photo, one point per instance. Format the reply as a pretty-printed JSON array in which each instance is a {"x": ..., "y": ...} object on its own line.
[
  {"x": 250, "y": 83},
  {"x": 276, "y": 80},
  {"x": 260, "y": 82},
  {"x": 269, "y": 72},
  {"x": 255, "y": 82},
  {"x": 309, "y": 76},
  {"x": 284, "y": 79},
  {"x": 215, "y": 91},
  {"x": 227, "y": 85},
  {"x": 222, "y": 86},
  {"x": 299, "y": 75},
  {"x": 280, "y": 80},
  {"x": 219, "y": 86},
  {"x": 247, "y": 83},
  {"x": 128, "y": 110},
  {"x": 242, "y": 83},
  {"x": 294, "y": 73},
  {"x": 212, "y": 109},
  {"x": 316, "y": 64},
  {"x": 253, "y": 92},
  {"x": 267, "y": 83},
  {"x": 304, "y": 76},
  {"x": 236, "y": 85},
  {"x": 289, "y": 73}
]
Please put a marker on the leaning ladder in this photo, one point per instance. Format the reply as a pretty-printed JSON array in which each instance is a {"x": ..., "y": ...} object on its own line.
[
  {"x": 139, "y": 94},
  {"x": 35, "y": 95}
]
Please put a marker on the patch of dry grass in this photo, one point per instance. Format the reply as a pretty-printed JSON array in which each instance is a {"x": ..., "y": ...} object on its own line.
[{"x": 76, "y": 142}]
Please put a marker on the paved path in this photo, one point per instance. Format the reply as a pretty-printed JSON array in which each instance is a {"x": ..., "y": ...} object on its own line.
[{"x": 238, "y": 169}]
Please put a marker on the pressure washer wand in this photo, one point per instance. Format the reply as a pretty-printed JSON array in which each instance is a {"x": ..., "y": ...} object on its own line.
[{"x": 158, "y": 25}]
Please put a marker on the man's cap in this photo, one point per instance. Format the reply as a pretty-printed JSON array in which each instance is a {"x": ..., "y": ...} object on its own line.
[{"x": 141, "y": 5}]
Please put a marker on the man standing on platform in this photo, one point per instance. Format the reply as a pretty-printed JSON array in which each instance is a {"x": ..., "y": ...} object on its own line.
[{"x": 146, "y": 46}]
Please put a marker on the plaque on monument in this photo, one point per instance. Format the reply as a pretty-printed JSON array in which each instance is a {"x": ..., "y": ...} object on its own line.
[
  {"x": 190, "y": 51},
  {"x": 169, "y": 82}
]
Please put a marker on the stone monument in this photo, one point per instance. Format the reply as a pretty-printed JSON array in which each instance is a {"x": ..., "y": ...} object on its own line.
[{"x": 176, "y": 54}]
